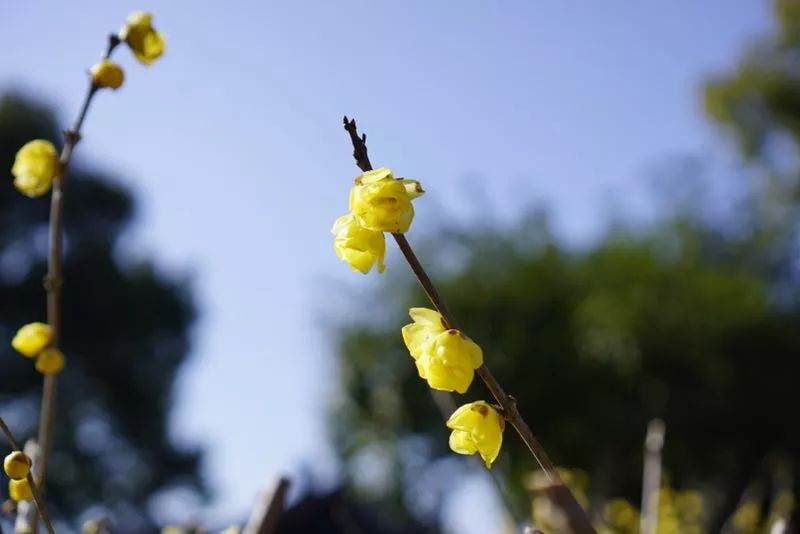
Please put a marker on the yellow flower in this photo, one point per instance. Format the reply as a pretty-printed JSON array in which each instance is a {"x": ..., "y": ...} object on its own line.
[
  {"x": 106, "y": 73},
  {"x": 32, "y": 339},
  {"x": 144, "y": 41},
  {"x": 35, "y": 167},
  {"x": 359, "y": 247},
  {"x": 19, "y": 490},
  {"x": 382, "y": 203},
  {"x": 447, "y": 359},
  {"x": 50, "y": 361},
  {"x": 418, "y": 335},
  {"x": 477, "y": 427},
  {"x": 17, "y": 465}
]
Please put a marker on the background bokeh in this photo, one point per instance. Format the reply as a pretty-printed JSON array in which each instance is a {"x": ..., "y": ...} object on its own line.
[{"x": 576, "y": 141}]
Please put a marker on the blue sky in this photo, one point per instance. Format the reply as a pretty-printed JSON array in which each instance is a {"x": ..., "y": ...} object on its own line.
[{"x": 234, "y": 147}]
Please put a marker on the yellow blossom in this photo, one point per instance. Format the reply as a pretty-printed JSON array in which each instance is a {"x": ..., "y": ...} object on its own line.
[
  {"x": 35, "y": 167},
  {"x": 477, "y": 427},
  {"x": 447, "y": 359},
  {"x": 382, "y": 203},
  {"x": 50, "y": 361},
  {"x": 106, "y": 73},
  {"x": 359, "y": 247},
  {"x": 427, "y": 325},
  {"x": 17, "y": 465},
  {"x": 144, "y": 41},
  {"x": 32, "y": 339},
  {"x": 19, "y": 490}
]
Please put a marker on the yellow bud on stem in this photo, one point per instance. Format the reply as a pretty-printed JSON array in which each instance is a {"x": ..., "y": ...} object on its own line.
[
  {"x": 17, "y": 465},
  {"x": 106, "y": 73},
  {"x": 19, "y": 490},
  {"x": 32, "y": 339}
]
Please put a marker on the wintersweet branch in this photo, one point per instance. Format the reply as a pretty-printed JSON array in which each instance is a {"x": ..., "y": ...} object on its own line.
[
  {"x": 559, "y": 492},
  {"x": 53, "y": 279},
  {"x": 35, "y": 493}
]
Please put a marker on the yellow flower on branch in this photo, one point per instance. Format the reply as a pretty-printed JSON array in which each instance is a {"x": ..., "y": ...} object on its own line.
[
  {"x": 359, "y": 247},
  {"x": 477, "y": 427},
  {"x": 382, "y": 203},
  {"x": 106, "y": 73},
  {"x": 445, "y": 358},
  {"x": 50, "y": 361},
  {"x": 19, "y": 490},
  {"x": 17, "y": 465},
  {"x": 32, "y": 339},
  {"x": 144, "y": 41},
  {"x": 35, "y": 167}
]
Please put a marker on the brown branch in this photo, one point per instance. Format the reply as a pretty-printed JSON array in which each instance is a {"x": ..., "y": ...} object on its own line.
[
  {"x": 37, "y": 496},
  {"x": 53, "y": 279},
  {"x": 579, "y": 520}
]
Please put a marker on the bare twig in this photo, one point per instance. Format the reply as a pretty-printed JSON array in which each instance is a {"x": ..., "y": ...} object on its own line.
[
  {"x": 579, "y": 521},
  {"x": 37, "y": 496},
  {"x": 53, "y": 279}
]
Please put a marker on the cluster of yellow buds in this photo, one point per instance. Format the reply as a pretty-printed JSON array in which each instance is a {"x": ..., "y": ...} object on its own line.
[
  {"x": 36, "y": 164},
  {"x": 378, "y": 203},
  {"x": 34, "y": 340},
  {"x": 17, "y": 466},
  {"x": 445, "y": 357}
]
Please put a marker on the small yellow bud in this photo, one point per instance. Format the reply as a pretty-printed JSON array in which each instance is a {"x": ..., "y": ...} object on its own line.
[
  {"x": 106, "y": 73},
  {"x": 32, "y": 339},
  {"x": 144, "y": 41},
  {"x": 382, "y": 203},
  {"x": 446, "y": 359},
  {"x": 35, "y": 167},
  {"x": 17, "y": 465},
  {"x": 50, "y": 361},
  {"x": 477, "y": 427},
  {"x": 359, "y": 247},
  {"x": 19, "y": 490}
]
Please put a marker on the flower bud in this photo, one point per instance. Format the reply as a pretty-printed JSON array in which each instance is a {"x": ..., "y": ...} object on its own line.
[
  {"x": 144, "y": 41},
  {"x": 17, "y": 465},
  {"x": 32, "y": 339},
  {"x": 19, "y": 490},
  {"x": 35, "y": 167},
  {"x": 106, "y": 73},
  {"x": 477, "y": 427},
  {"x": 50, "y": 361}
]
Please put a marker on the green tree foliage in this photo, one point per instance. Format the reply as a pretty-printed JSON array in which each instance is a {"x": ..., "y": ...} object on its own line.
[
  {"x": 125, "y": 334},
  {"x": 760, "y": 100},
  {"x": 593, "y": 345}
]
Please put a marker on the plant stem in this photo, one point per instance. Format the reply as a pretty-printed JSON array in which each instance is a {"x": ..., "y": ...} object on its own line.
[
  {"x": 559, "y": 492},
  {"x": 53, "y": 279},
  {"x": 37, "y": 496}
]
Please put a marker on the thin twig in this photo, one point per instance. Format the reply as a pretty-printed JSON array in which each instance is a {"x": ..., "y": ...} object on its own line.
[
  {"x": 37, "y": 496},
  {"x": 53, "y": 279},
  {"x": 578, "y": 518}
]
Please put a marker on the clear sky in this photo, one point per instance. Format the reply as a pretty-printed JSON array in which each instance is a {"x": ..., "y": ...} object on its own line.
[{"x": 234, "y": 146}]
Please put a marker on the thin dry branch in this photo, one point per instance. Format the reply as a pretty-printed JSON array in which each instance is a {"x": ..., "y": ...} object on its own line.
[
  {"x": 37, "y": 496},
  {"x": 53, "y": 279},
  {"x": 579, "y": 520}
]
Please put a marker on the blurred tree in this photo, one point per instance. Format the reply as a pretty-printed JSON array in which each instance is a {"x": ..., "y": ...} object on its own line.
[
  {"x": 125, "y": 334},
  {"x": 593, "y": 345},
  {"x": 759, "y": 104}
]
